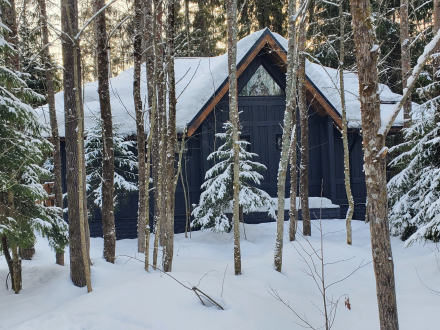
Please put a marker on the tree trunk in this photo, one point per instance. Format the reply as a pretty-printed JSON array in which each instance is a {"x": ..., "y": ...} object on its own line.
[
  {"x": 350, "y": 200},
  {"x": 16, "y": 259},
  {"x": 79, "y": 236},
  {"x": 304, "y": 123},
  {"x": 291, "y": 106},
  {"x": 59, "y": 256},
  {"x": 171, "y": 139},
  {"x": 374, "y": 164},
  {"x": 108, "y": 158},
  {"x": 160, "y": 129},
  {"x": 406, "y": 58},
  {"x": 9, "y": 260},
  {"x": 57, "y": 186},
  {"x": 187, "y": 28},
  {"x": 287, "y": 132},
  {"x": 231, "y": 11},
  {"x": 436, "y": 60},
  {"x": 12, "y": 59},
  {"x": 137, "y": 49}
]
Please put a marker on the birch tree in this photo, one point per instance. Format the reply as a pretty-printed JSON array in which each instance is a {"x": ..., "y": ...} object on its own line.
[
  {"x": 108, "y": 167},
  {"x": 231, "y": 12},
  {"x": 374, "y": 163},
  {"x": 140, "y": 129},
  {"x": 304, "y": 124},
  {"x": 350, "y": 210}
]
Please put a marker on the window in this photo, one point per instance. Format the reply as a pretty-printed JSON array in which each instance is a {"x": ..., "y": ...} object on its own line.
[
  {"x": 261, "y": 84},
  {"x": 279, "y": 142}
]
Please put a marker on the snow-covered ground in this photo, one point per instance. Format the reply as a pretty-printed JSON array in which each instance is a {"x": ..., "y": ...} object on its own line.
[{"x": 126, "y": 297}]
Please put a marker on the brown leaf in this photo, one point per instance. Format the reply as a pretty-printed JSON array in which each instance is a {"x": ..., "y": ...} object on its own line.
[{"x": 347, "y": 303}]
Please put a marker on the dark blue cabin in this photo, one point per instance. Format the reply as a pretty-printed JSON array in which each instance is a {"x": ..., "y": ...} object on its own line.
[{"x": 261, "y": 88}]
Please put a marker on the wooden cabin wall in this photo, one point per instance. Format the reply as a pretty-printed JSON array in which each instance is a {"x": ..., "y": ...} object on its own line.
[{"x": 261, "y": 119}]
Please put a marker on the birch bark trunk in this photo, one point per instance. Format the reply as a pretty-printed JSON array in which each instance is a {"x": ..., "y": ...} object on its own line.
[
  {"x": 304, "y": 124},
  {"x": 108, "y": 158},
  {"x": 287, "y": 132},
  {"x": 374, "y": 164},
  {"x": 406, "y": 58},
  {"x": 350, "y": 210},
  {"x": 231, "y": 11},
  {"x": 58, "y": 191},
  {"x": 140, "y": 129}
]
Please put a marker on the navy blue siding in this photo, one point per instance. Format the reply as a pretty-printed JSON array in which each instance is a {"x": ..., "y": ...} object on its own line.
[{"x": 261, "y": 119}]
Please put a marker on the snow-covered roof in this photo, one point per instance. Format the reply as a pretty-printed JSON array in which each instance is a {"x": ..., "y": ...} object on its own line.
[{"x": 199, "y": 78}]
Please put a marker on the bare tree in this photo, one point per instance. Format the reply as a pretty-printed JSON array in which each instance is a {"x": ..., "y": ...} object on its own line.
[
  {"x": 304, "y": 124},
  {"x": 287, "y": 131},
  {"x": 108, "y": 157},
  {"x": 291, "y": 106},
  {"x": 231, "y": 11},
  {"x": 350, "y": 210},
  {"x": 171, "y": 140},
  {"x": 58, "y": 191},
  {"x": 405, "y": 45},
  {"x": 374, "y": 163},
  {"x": 140, "y": 129},
  {"x": 74, "y": 125}
]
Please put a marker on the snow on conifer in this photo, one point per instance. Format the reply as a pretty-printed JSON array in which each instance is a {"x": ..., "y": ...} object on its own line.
[
  {"x": 216, "y": 200},
  {"x": 414, "y": 193},
  {"x": 126, "y": 164},
  {"x": 23, "y": 150}
]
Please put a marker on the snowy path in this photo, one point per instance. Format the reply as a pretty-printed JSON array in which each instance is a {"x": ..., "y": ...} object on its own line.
[{"x": 126, "y": 297}]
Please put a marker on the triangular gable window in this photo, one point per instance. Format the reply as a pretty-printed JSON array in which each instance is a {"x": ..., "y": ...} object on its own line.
[{"x": 261, "y": 84}]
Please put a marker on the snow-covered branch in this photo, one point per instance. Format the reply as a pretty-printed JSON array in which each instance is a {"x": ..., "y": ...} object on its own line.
[{"x": 429, "y": 49}]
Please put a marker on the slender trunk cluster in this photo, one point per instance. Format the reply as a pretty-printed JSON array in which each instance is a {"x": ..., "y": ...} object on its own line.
[
  {"x": 74, "y": 126},
  {"x": 350, "y": 210},
  {"x": 231, "y": 11},
  {"x": 108, "y": 158},
  {"x": 304, "y": 124},
  {"x": 374, "y": 163},
  {"x": 57, "y": 186}
]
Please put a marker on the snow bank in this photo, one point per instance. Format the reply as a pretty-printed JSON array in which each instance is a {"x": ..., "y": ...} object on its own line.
[
  {"x": 198, "y": 78},
  {"x": 126, "y": 297}
]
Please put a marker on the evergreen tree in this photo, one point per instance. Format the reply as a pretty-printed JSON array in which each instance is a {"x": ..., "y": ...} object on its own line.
[
  {"x": 22, "y": 149},
  {"x": 216, "y": 200},
  {"x": 414, "y": 193},
  {"x": 126, "y": 165}
]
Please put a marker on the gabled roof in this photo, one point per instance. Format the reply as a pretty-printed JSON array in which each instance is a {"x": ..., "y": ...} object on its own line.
[{"x": 203, "y": 81}]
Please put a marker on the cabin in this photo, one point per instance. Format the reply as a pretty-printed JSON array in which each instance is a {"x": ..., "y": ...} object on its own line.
[{"x": 202, "y": 108}]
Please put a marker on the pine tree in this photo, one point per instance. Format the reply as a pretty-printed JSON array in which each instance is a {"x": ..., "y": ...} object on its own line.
[
  {"x": 22, "y": 152},
  {"x": 216, "y": 200},
  {"x": 414, "y": 193},
  {"x": 125, "y": 164}
]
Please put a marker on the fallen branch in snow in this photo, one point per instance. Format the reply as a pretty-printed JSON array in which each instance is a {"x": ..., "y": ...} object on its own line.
[{"x": 199, "y": 293}]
